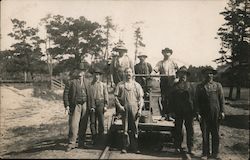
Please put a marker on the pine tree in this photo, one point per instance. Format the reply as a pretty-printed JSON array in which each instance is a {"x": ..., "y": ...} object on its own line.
[
  {"x": 138, "y": 38},
  {"x": 26, "y": 52},
  {"x": 234, "y": 39},
  {"x": 109, "y": 26}
]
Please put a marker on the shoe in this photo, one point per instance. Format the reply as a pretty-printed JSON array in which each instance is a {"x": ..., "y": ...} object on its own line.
[
  {"x": 204, "y": 157},
  {"x": 162, "y": 118},
  {"x": 170, "y": 119},
  {"x": 124, "y": 151},
  {"x": 69, "y": 148},
  {"x": 177, "y": 150},
  {"x": 138, "y": 152},
  {"x": 215, "y": 156}
]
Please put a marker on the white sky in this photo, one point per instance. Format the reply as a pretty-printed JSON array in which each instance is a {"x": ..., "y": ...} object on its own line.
[{"x": 186, "y": 26}]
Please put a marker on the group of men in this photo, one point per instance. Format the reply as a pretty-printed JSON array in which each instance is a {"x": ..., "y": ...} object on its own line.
[{"x": 181, "y": 101}]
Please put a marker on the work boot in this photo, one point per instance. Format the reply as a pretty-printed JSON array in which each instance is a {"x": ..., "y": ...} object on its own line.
[
  {"x": 204, "y": 157},
  {"x": 138, "y": 152},
  {"x": 216, "y": 156},
  {"x": 178, "y": 150},
  {"x": 162, "y": 118},
  {"x": 69, "y": 148},
  {"x": 124, "y": 151}
]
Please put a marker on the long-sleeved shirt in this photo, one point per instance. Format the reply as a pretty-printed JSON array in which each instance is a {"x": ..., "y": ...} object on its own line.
[{"x": 99, "y": 91}]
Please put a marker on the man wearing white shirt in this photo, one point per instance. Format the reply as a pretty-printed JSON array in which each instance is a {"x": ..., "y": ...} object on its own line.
[{"x": 168, "y": 68}]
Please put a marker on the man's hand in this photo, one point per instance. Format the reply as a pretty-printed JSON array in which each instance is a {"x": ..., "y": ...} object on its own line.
[
  {"x": 92, "y": 110},
  {"x": 105, "y": 108},
  {"x": 222, "y": 115},
  {"x": 112, "y": 84},
  {"x": 121, "y": 108},
  {"x": 67, "y": 111}
]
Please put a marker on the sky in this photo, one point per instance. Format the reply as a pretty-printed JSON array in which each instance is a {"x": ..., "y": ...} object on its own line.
[{"x": 188, "y": 27}]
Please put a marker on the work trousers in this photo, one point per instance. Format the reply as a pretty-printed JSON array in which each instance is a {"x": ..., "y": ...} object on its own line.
[
  {"x": 130, "y": 123},
  {"x": 210, "y": 125},
  {"x": 166, "y": 85},
  {"x": 187, "y": 119},
  {"x": 78, "y": 125},
  {"x": 98, "y": 115}
]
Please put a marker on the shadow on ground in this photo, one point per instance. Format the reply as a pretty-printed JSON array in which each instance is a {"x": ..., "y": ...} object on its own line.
[
  {"x": 55, "y": 144},
  {"x": 236, "y": 121}
]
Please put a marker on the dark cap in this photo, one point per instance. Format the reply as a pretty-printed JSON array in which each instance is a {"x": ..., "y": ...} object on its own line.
[
  {"x": 183, "y": 69},
  {"x": 208, "y": 69}
]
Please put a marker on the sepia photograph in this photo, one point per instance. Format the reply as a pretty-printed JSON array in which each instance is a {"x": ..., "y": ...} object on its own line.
[{"x": 125, "y": 79}]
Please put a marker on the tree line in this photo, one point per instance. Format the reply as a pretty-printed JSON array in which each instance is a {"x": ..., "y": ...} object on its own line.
[{"x": 67, "y": 42}]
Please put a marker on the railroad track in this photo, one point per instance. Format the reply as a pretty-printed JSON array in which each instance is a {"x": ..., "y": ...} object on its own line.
[
  {"x": 114, "y": 153},
  {"x": 107, "y": 154}
]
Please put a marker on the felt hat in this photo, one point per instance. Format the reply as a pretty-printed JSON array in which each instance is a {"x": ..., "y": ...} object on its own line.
[
  {"x": 183, "y": 69},
  {"x": 141, "y": 54},
  {"x": 208, "y": 69},
  {"x": 167, "y": 50}
]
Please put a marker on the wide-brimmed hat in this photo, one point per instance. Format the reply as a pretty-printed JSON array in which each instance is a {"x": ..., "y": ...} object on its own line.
[
  {"x": 167, "y": 50},
  {"x": 208, "y": 69},
  {"x": 120, "y": 47},
  {"x": 141, "y": 54},
  {"x": 183, "y": 69}
]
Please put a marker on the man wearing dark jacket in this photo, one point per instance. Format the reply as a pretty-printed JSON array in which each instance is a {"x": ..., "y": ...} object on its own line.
[
  {"x": 182, "y": 105},
  {"x": 76, "y": 99},
  {"x": 143, "y": 67},
  {"x": 210, "y": 102}
]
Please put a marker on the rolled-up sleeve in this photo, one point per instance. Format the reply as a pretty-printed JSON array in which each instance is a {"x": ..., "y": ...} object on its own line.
[{"x": 157, "y": 67}]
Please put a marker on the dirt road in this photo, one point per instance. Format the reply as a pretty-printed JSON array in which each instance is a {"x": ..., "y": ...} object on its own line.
[{"x": 34, "y": 125}]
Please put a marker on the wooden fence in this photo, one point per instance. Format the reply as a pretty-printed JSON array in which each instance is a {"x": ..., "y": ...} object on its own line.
[{"x": 57, "y": 83}]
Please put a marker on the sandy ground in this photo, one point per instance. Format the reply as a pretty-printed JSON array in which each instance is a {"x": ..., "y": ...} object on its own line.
[{"x": 34, "y": 125}]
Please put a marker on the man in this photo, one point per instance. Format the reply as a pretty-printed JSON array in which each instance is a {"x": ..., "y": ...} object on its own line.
[
  {"x": 77, "y": 102},
  {"x": 168, "y": 68},
  {"x": 119, "y": 64},
  {"x": 143, "y": 67},
  {"x": 99, "y": 98},
  {"x": 210, "y": 104},
  {"x": 129, "y": 99},
  {"x": 181, "y": 103}
]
